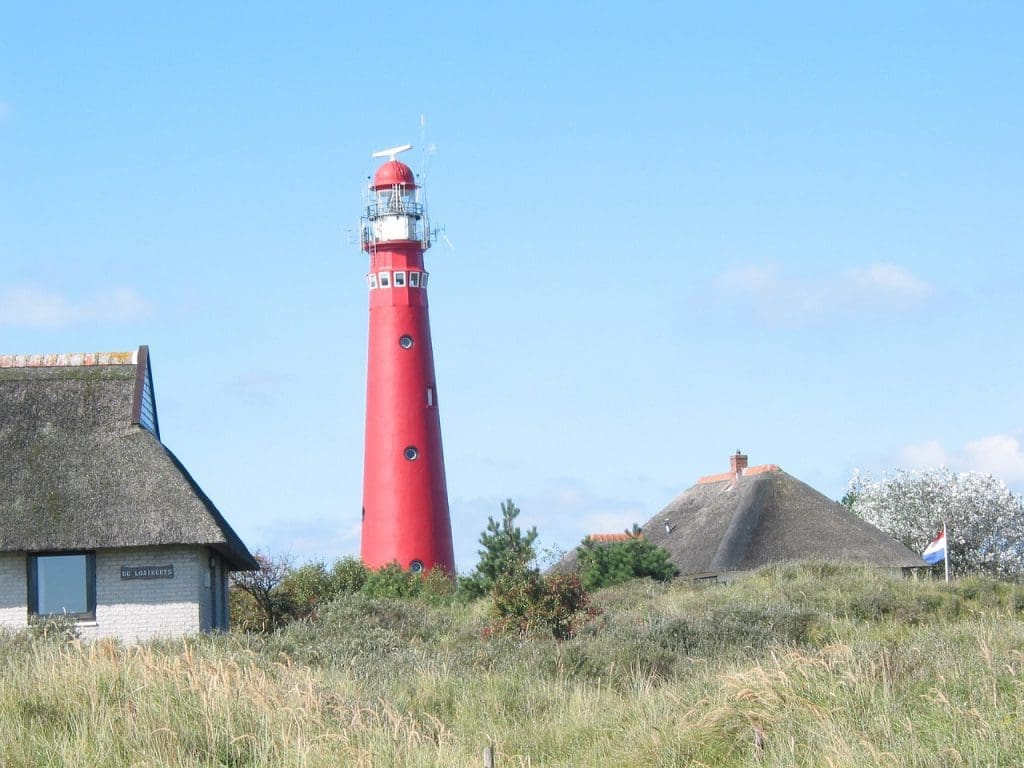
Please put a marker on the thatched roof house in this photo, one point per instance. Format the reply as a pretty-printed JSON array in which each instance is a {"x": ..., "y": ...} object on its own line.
[
  {"x": 753, "y": 516},
  {"x": 85, "y": 475}
]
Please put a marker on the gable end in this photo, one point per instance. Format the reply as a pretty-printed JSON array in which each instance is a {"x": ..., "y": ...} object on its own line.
[{"x": 144, "y": 399}]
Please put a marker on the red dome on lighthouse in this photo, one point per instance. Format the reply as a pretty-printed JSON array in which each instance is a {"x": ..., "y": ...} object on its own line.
[{"x": 391, "y": 173}]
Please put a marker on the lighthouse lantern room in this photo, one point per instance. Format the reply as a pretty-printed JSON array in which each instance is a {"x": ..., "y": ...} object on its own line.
[{"x": 405, "y": 497}]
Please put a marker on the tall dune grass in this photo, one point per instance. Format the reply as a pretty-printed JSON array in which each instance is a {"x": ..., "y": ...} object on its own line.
[{"x": 796, "y": 666}]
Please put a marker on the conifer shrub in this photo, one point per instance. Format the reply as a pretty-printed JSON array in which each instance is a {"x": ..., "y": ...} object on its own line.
[
  {"x": 505, "y": 549},
  {"x": 605, "y": 565}
]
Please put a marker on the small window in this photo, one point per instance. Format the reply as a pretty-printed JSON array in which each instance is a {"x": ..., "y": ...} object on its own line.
[
  {"x": 385, "y": 279},
  {"x": 62, "y": 584},
  {"x": 399, "y": 279},
  {"x": 405, "y": 342},
  {"x": 423, "y": 280},
  {"x": 372, "y": 280},
  {"x": 430, "y": 397},
  {"x": 411, "y": 453},
  {"x": 414, "y": 279}
]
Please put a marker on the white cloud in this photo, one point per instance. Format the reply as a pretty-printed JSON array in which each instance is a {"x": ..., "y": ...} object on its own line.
[
  {"x": 889, "y": 280},
  {"x": 924, "y": 455},
  {"x": 999, "y": 455},
  {"x": 27, "y": 307},
  {"x": 876, "y": 287}
]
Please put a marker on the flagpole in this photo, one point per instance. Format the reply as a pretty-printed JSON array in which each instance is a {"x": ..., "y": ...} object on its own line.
[{"x": 945, "y": 542}]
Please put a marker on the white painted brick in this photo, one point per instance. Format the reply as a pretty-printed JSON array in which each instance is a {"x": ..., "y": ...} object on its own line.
[
  {"x": 133, "y": 610},
  {"x": 13, "y": 590}
]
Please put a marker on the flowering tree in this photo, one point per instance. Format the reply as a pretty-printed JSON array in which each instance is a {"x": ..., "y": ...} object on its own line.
[{"x": 985, "y": 521}]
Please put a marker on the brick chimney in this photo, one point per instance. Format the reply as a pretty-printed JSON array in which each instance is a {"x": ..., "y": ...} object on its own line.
[{"x": 737, "y": 463}]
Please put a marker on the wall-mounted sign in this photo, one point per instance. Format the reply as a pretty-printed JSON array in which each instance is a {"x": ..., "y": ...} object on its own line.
[{"x": 147, "y": 571}]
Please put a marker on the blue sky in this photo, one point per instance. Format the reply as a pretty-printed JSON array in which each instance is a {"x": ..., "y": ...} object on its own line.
[{"x": 679, "y": 229}]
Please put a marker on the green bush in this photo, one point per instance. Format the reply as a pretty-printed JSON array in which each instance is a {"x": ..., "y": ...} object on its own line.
[
  {"x": 348, "y": 575},
  {"x": 525, "y": 600},
  {"x": 392, "y": 581},
  {"x": 505, "y": 549},
  {"x": 604, "y": 565},
  {"x": 54, "y": 628}
]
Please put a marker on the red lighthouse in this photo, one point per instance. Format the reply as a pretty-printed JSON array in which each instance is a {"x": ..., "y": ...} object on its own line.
[{"x": 405, "y": 497}]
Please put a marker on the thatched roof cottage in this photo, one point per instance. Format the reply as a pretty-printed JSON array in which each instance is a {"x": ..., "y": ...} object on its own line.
[
  {"x": 98, "y": 519},
  {"x": 749, "y": 517}
]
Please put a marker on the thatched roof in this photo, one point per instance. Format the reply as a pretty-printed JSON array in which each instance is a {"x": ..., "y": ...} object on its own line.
[
  {"x": 82, "y": 465},
  {"x": 748, "y": 518}
]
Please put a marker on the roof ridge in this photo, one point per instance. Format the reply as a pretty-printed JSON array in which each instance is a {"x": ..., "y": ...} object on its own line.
[
  {"x": 761, "y": 468},
  {"x": 611, "y": 537},
  {"x": 70, "y": 359},
  {"x": 721, "y": 476}
]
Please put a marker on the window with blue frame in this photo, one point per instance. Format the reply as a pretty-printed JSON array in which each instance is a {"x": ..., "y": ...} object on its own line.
[{"x": 62, "y": 583}]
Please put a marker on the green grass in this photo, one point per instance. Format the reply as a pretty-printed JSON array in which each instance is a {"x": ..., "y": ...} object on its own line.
[{"x": 832, "y": 667}]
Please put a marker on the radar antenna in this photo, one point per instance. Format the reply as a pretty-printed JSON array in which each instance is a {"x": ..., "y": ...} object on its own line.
[{"x": 390, "y": 154}]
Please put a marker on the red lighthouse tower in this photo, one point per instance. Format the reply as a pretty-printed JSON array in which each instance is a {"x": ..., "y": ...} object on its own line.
[{"x": 405, "y": 497}]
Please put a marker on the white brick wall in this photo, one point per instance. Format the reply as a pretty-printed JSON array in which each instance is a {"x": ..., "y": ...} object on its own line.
[
  {"x": 133, "y": 610},
  {"x": 141, "y": 609},
  {"x": 13, "y": 590}
]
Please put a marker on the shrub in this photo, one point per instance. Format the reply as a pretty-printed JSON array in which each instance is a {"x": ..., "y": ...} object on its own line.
[
  {"x": 505, "y": 549},
  {"x": 348, "y": 575},
  {"x": 604, "y": 565},
  {"x": 255, "y": 601},
  {"x": 55, "y": 628},
  {"x": 524, "y": 600},
  {"x": 394, "y": 582}
]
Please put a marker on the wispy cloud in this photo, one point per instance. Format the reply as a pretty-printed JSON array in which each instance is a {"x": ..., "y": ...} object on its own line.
[
  {"x": 318, "y": 538},
  {"x": 255, "y": 387},
  {"x": 776, "y": 297},
  {"x": 31, "y": 308},
  {"x": 999, "y": 455}
]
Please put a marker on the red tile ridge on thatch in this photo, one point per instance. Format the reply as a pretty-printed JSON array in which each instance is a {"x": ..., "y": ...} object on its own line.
[
  {"x": 715, "y": 478},
  {"x": 761, "y": 469},
  {"x": 607, "y": 538}
]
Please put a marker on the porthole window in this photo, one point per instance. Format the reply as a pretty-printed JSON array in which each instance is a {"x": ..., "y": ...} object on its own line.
[
  {"x": 411, "y": 453},
  {"x": 405, "y": 342},
  {"x": 414, "y": 279},
  {"x": 399, "y": 279},
  {"x": 416, "y": 566},
  {"x": 385, "y": 279},
  {"x": 372, "y": 280}
]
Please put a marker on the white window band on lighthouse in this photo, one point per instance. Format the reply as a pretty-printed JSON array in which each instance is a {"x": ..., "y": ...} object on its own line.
[{"x": 397, "y": 279}]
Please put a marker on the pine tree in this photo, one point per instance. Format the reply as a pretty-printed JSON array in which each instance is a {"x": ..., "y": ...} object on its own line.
[{"x": 505, "y": 549}]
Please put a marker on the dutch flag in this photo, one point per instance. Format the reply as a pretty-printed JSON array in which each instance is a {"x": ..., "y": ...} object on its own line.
[{"x": 936, "y": 551}]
